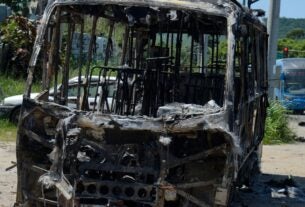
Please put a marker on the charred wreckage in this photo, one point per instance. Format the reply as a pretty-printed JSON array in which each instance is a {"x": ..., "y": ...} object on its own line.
[{"x": 182, "y": 124}]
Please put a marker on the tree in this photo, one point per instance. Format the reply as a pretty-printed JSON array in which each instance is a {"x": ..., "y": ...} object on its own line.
[
  {"x": 296, "y": 46},
  {"x": 19, "y": 34},
  {"x": 296, "y": 34}
]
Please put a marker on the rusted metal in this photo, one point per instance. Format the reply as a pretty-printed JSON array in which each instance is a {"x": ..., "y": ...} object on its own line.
[
  {"x": 80, "y": 63},
  {"x": 153, "y": 123}
]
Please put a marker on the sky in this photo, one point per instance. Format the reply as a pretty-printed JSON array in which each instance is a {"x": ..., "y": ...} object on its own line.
[{"x": 289, "y": 8}]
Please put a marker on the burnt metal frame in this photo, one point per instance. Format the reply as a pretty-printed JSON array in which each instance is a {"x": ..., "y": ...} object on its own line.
[{"x": 231, "y": 12}]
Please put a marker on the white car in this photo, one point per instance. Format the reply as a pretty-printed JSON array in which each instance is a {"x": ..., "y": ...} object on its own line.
[{"x": 10, "y": 106}]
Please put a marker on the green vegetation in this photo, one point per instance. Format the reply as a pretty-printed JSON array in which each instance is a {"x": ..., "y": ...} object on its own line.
[
  {"x": 8, "y": 131},
  {"x": 292, "y": 36},
  {"x": 296, "y": 46},
  {"x": 289, "y": 24},
  {"x": 295, "y": 34},
  {"x": 18, "y": 6},
  {"x": 10, "y": 86},
  {"x": 277, "y": 131},
  {"x": 18, "y": 35},
  {"x": 19, "y": 32}
]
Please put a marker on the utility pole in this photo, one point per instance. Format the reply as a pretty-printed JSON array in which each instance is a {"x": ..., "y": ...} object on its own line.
[{"x": 272, "y": 27}]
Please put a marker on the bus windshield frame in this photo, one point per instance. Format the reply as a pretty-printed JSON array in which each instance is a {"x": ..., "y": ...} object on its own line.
[{"x": 294, "y": 81}]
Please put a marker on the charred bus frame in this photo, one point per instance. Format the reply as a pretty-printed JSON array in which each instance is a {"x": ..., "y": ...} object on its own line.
[{"x": 175, "y": 132}]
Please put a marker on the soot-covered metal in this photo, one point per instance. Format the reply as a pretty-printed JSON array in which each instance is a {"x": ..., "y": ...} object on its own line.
[{"x": 172, "y": 116}]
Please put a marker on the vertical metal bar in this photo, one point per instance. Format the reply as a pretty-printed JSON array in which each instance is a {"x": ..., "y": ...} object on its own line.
[
  {"x": 167, "y": 37},
  {"x": 137, "y": 51},
  {"x": 177, "y": 61},
  {"x": 100, "y": 106},
  {"x": 85, "y": 104},
  {"x": 109, "y": 42},
  {"x": 54, "y": 52},
  {"x": 65, "y": 79},
  {"x": 97, "y": 88},
  {"x": 217, "y": 54},
  {"x": 161, "y": 42},
  {"x": 165, "y": 75},
  {"x": 230, "y": 73},
  {"x": 80, "y": 63},
  {"x": 172, "y": 45},
  {"x": 130, "y": 58},
  {"x": 125, "y": 45},
  {"x": 191, "y": 58},
  {"x": 243, "y": 68},
  {"x": 205, "y": 50},
  {"x": 146, "y": 98},
  {"x": 178, "y": 50},
  {"x": 213, "y": 53},
  {"x": 55, "y": 86},
  {"x": 202, "y": 53},
  {"x": 45, "y": 60},
  {"x": 91, "y": 44}
]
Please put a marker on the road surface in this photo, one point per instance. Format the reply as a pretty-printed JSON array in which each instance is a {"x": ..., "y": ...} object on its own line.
[{"x": 278, "y": 162}]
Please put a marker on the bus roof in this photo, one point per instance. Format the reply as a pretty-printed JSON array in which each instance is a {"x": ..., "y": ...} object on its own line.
[
  {"x": 291, "y": 63},
  {"x": 219, "y": 7}
]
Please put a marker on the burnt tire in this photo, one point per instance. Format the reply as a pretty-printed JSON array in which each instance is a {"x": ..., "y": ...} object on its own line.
[{"x": 14, "y": 116}]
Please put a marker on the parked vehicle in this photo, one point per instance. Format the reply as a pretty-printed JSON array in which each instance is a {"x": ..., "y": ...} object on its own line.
[
  {"x": 187, "y": 117},
  {"x": 290, "y": 89},
  {"x": 10, "y": 106}
]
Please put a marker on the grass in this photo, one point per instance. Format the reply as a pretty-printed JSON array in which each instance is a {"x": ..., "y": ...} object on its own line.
[
  {"x": 276, "y": 127},
  {"x": 8, "y": 131},
  {"x": 10, "y": 86}
]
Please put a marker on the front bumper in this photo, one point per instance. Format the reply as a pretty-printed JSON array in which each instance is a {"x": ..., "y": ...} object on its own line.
[
  {"x": 5, "y": 110},
  {"x": 296, "y": 104},
  {"x": 122, "y": 161}
]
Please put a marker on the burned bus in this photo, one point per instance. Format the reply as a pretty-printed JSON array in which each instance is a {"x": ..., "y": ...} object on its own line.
[{"x": 176, "y": 114}]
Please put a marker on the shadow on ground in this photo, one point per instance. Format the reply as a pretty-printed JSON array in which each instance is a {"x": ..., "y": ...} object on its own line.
[{"x": 272, "y": 191}]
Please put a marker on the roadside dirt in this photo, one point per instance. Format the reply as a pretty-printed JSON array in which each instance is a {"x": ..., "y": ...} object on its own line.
[
  {"x": 8, "y": 179},
  {"x": 282, "y": 182},
  {"x": 297, "y": 125},
  {"x": 284, "y": 160},
  {"x": 278, "y": 162}
]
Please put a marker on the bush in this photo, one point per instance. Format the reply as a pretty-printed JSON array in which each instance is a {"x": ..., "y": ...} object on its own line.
[
  {"x": 276, "y": 128},
  {"x": 18, "y": 33}
]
